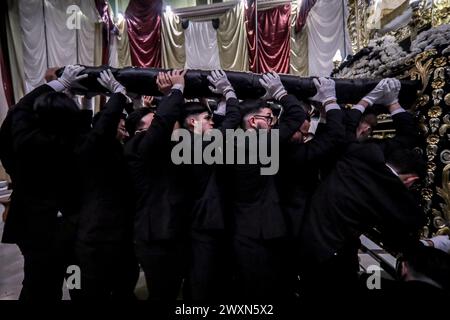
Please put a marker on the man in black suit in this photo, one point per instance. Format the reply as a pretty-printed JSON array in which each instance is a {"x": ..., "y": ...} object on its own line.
[
  {"x": 259, "y": 228},
  {"x": 208, "y": 269},
  {"x": 364, "y": 191},
  {"x": 299, "y": 163},
  {"x": 45, "y": 129},
  {"x": 161, "y": 217},
  {"x": 104, "y": 247}
]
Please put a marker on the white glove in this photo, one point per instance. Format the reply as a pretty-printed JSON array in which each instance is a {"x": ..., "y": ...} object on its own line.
[
  {"x": 110, "y": 83},
  {"x": 326, "y": 90},
  {"x": 274, "y": 88},
  {"x": 70, "y": 75},
  {"x": 219, "y": 80},
  {"x": 439, "y": 242},
  {"x": 391, "y": 90}
]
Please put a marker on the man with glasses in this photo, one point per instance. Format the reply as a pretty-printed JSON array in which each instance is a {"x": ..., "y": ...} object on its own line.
[{"x": 259, "y": 229}]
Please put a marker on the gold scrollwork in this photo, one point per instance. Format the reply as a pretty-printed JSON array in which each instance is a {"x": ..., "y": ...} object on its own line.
[
  {"x": 435, "y": 112},
  {"x": 437, "y": 94},
  {"x": 422, "y": 69},
  {"x": 438, "y": 84},
  {"x": 432, "y": 150},
  {"x": 442, "y": 219},
  {"x": 440, "y": 62},
  {"x": 447, "y": 99},
  {"x": 427, "y": 194},
  {"x": 445, "y": 156},
  {"x": 434, "y": 124},
  {"x": 433, "y": 139},
  {"x": 423, "y": 100}
]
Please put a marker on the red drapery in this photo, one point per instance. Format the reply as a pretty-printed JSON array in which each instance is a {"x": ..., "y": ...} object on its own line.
[
  {"x": 273, "y": 45},
  {"x": 107, "y": 26},
  {"x": 4, "y": 58},
  {"x": 303, "y": 11},
  {"x": 144, "y": 32}
]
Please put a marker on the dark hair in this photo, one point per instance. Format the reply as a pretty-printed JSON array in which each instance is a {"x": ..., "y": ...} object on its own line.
[
  {"x": 135, "y": 117},
  {"x": 369, "y": 116},
  {"x": 97, "y": 116},
  {"x": 191, "y": 108},
  {"x": 407, "y": 161},
  {"x": 57, "y": 113},
  {"x": 252, "y": 106},
  {"x": 429, "y": 261}
]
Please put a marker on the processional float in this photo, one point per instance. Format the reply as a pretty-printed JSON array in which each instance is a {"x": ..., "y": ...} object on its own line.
[{"x": 142, "y": 81}]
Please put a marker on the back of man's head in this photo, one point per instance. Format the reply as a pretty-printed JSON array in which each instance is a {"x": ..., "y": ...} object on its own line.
[
  {"x": 134, "y": 118},
  {"x": 422, "y": 262},
  {"x": 57, "y": 113}
]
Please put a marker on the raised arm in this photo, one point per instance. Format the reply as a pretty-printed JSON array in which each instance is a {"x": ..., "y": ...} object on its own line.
[
  {"x": 160, "y": 130},
  {"x": 221, "y": 85}
]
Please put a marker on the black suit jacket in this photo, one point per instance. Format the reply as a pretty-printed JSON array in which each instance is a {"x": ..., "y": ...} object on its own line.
[
  {"x": 205, "y": 190},
  {"x": 299, "y": 169},
  {"x": 161, "y": 209},
  {"x": 107, "y": 203},
  {"x": 361, "y": 193},
  {"x": 253, "y": 198},
  {"x": 44, "y": 173}
]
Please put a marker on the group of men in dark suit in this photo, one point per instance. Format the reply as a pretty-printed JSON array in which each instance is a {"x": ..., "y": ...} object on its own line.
[{"x": 84, "y": 196}]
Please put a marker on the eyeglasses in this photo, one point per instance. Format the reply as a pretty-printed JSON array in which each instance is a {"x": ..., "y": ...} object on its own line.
[{"x": 269, "y": 119}]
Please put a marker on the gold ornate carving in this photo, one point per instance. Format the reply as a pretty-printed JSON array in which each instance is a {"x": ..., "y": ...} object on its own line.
[
  {"x": 422, "y": 68},
  {"x": 438, "y": 84},
  {"x": 441, "y": 218},
  {"x": 447, "y": 99},
  {"x": 423, "y": 100},
  {"x": 440, "y": 62},
  {"x": 435, "y": 112}
]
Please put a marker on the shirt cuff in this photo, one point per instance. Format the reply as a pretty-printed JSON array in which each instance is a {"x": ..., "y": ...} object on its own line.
[
  {"x": 230, "y": 94},
  {"x": 178, "y": 87},
  {"x": 56, "y": 85},
  {"x": 400, "y": 110},
  {"x": 359, "y": 107},
  {"x": 332, "y": 106},
  {"x": 221, "y": 108}
]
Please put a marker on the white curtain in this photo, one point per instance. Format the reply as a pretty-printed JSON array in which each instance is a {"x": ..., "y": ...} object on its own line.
[
  {"x": 87, "y": 34},
  {"x": 15, "y": 52},
  {"x": 47, "y": 41},
  {"x": 61, "y": 40},
  {"x": 327, "y": 32},
  {"x": 33, "y": 42},
  {"x": 202, "y": 51}
]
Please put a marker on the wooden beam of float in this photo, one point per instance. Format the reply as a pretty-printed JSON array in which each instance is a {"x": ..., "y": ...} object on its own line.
[{"x": 142, "y": 81}]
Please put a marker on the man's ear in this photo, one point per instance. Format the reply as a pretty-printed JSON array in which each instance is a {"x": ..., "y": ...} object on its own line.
[
  {"x": 409, "y": 180},
  {"x": 404, "y": 269}
]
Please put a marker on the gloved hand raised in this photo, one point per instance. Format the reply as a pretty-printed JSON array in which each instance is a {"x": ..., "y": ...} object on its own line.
[
  {"x": 221, "y": 84},
  {"x": 391, "y": 91},
  {"x": 326, "y": 90},
  {"x": 386, "y": 92},
  {"x": 274, "y": 88},
  {"x": 70, "y": 75},
  {"x": 108, "y": 81}
]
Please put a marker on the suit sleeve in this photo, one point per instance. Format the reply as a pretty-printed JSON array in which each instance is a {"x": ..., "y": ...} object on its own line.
[
  {"x": 406, "y": 133},
  {"x": 160, "y": 131},
  {"x": 105, "y": 129},
  {"x": 332, "y": 135},
  {"x": 351, "y": 120},
  {"x": 232, "y": 116},
  {"x": 292, "y": 117}
]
